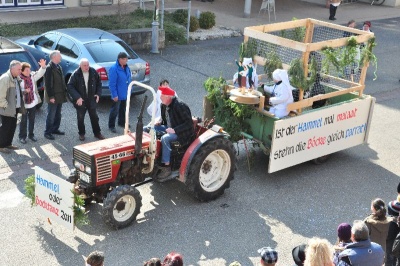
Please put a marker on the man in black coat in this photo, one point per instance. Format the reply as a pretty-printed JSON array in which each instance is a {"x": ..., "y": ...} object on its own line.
[
  {"x": 176, "y": 121},
  {"x": 55, "y": 95},
  {"x": 84, "y": 87}
]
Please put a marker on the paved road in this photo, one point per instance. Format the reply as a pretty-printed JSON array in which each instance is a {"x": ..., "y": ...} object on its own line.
[{"x": 281, "y": 210}]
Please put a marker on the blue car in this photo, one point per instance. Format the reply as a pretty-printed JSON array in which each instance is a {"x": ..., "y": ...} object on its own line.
[{"x": 101, "y": 48}]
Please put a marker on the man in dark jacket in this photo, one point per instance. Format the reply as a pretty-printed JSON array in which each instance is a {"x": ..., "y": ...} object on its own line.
[
  {"x": 84, "y": 87},
  {"x": 176, "y": 121},
  {"x": 55, "y": 95},
  {"x": 11, "y": 103}
]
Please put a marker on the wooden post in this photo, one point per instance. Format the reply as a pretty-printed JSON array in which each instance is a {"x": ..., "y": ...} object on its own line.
[{"x": 262, "y": 102}]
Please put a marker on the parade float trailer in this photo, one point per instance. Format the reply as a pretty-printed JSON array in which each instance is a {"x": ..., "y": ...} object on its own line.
[{"x": 339, "y": 56}]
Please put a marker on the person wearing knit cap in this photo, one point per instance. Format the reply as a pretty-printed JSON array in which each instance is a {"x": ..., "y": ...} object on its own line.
[
  {"x": 367, "y": 26},
  {"x": 362, "y": 252},
  {"x": 393, "y": 211},
  {"x": 269, "y": 256},
  {"x": 394, "y": 205},
  {"x": 344, "y": 238},
  {"x": 176, "y": 121}
]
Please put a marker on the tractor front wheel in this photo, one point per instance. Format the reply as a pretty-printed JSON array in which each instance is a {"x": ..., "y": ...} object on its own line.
[
  {"x": 211, "y": 169},
  {"x": 121, "y": 206}
]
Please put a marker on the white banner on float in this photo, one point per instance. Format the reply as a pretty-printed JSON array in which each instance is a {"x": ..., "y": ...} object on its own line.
[
  {"x": 305, "y": 137},
  {"x": 54, "y": 198}
]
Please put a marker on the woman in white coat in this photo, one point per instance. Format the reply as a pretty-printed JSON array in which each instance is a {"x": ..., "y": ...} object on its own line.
[
  {"x": 281, "y": 93},
  {"x": 31, "y": 99}
]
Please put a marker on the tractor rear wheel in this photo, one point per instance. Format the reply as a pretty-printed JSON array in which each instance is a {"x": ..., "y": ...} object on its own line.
[
  {"x": 211, "y": 169},
  {"x": 121, "y": 206}
]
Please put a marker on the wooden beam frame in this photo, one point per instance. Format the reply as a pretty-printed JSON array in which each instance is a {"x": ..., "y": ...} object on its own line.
[{"x": 262, "y": 32}]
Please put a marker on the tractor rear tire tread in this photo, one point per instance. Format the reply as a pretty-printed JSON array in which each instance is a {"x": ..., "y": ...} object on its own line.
[{"x": 192, "y": 178}]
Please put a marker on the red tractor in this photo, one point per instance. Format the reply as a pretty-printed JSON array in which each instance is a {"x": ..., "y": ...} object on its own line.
[{"x": 108, "y": 171}]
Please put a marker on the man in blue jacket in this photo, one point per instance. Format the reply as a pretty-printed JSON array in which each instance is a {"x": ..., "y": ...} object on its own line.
[
  {"x": 362, "y": 252},
  {"x": 119, "y": 77}
]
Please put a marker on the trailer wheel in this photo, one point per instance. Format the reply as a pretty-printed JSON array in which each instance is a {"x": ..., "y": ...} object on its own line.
[
  {"x": 121, "y": 206},
  {"x": 211, "y": 169},
  {"x": 321, "y": 160}
]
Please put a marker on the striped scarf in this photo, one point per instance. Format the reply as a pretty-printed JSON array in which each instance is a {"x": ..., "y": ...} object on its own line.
[{"x": 28, "y": 96}]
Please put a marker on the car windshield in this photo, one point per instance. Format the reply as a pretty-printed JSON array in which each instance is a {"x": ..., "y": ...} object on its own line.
[
  {"x": 6, "y": 58},
  {"x": 107, "y": 51}
]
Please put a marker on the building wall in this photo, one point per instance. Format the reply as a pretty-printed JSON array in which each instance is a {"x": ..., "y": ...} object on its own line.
[{"x": 393, "y": 3}]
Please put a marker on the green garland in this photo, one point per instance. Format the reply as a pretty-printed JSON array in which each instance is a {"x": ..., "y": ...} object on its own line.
[
  {"x": 367, "y": 55},
  {"x": 80, "y": 216},
  {"x": 228, "y": 114},
  {"x": 340, "y": 58},
  {"x": 248, "y": 49},
  {"x": 296, "y": 74},
  {"x": 272, "y": 62}
]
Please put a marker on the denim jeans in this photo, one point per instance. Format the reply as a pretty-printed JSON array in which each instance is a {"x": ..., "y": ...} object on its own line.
[
  {"x": 28, "y": 117},
  {"x": 166, "y": 140},
  {"x": 117, "y": 109},
  {"x": 53, "y": 119}
]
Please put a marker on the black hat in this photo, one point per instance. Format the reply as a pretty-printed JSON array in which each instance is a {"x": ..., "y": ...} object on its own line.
[
  {"x": 299, "y": 254},
  {"x": 122, "y": 55}
]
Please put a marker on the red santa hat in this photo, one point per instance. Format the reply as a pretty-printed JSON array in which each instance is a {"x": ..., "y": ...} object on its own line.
[{"x": 167, "y": 91}]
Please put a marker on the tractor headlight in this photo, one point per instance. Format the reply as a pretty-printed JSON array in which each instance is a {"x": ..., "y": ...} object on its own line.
[
  {"x": 88, "y": 170},
  {"x": 77, "y": 164}
]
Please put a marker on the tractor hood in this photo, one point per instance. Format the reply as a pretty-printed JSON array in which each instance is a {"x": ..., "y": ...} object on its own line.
[{"x": 124, "y": 143}]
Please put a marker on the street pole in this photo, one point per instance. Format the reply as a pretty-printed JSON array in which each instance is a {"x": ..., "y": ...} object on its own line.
[
  {"x": 154, "y": 30},
  {"x": 162, "y": 14},
  {"x": 247, "y": 8},
  {"x": 188, "y": 22}
]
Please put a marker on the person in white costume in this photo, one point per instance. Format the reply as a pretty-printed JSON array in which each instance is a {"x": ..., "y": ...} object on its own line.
[{"x": 281, "y": 93}]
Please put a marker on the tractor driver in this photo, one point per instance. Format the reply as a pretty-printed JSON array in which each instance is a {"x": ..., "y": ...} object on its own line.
[{"x": 176, "y": 121}]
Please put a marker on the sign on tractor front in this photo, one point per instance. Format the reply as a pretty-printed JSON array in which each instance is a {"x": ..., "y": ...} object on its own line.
[
  {"x": 54, "y": 198},
  {"x": 319, "y": 133}
]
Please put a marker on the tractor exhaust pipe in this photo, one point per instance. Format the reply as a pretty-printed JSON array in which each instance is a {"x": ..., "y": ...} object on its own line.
[{"x": 139, "y": 129}]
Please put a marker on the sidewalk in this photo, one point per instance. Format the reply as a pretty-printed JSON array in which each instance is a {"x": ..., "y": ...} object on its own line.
[{"x": 229, "y": 13}]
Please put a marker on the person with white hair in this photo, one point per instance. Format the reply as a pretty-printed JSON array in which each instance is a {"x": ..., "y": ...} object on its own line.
[
  {"x": 362, "y": 252},
  {"x": 281, "y": 93},
  {"x": 84, "y": 87},
  {"x": 11, "y": 103}
]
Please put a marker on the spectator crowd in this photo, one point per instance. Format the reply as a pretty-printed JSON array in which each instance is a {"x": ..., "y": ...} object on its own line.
[{"x": 374, "y": 241}]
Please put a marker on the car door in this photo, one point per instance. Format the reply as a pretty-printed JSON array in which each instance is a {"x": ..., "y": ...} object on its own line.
[
  {"x": 45, "y": 45},
  {"x": 70, "y": 54}
]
